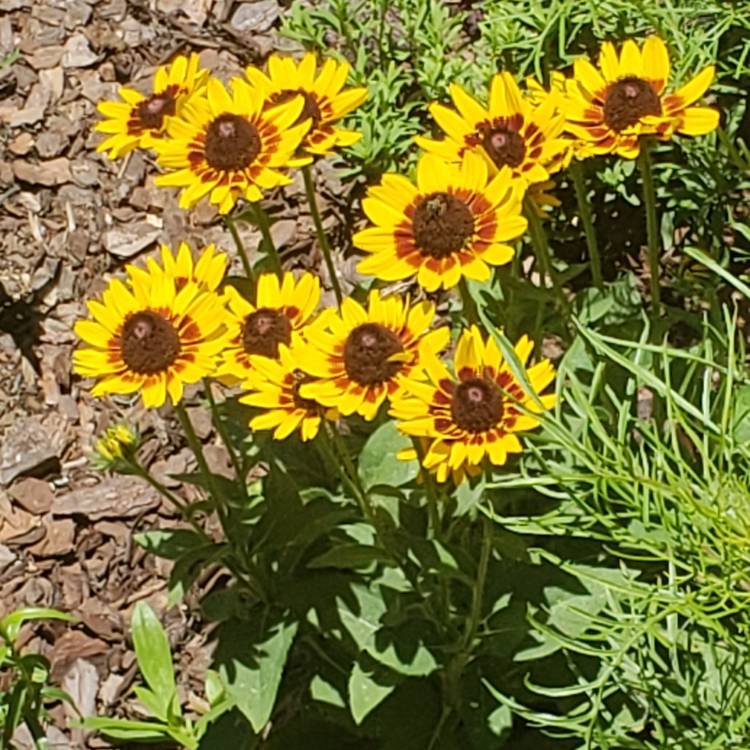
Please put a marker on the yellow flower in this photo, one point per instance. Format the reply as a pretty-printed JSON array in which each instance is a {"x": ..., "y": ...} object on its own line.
[
  {"x": 207, "y": 273},
  {"x": 511, "y": 132},
  {"x": 274, "y": 386},
  {"x": 360, "y": 356},
  {"x": 226, "y": 146},
  {"x": 452, "y": 224},
  {"x": 116, "y": 447},
  {"x": 277, "y": 317},
  {"x": 474, "y": 412},
  {"x": 138, "y": 119},
  {"x": 542, "y": 198},
  {"x": 609, "y": 108},
  {"x": 325, "y": 102},
  {"x": 151, "y": 339}
]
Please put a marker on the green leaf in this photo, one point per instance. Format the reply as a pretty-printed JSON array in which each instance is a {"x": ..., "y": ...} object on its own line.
[
  {"x": 252, "y": 672},
  {"x": 11, "y": 624},
  {"x": 125, "y": 729},
  {"x": 154, "y": 659},
  {"x": 169, "y": 543},
  {"x": 741, "y": 414},
  {"x": 364, "y": 693},
  {"x": 378, "y": 463},
  {"x": 350, "y": 556}
]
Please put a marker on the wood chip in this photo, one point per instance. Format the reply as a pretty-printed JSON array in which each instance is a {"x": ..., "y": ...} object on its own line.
[
  {"x": 33, "y": 495},
  {"x": 115, "y": 497}
]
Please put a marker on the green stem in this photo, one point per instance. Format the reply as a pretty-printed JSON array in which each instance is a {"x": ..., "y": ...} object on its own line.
[
  {"x": 470, "y": 306},
  {"x": 652, "y": 228},
  {"x": 433, "y": 506},
  {"x": 197, "y": 447},
  {"x": 224, "y": 435},
  {"x": 322, "y": 239},
  {"x": 478, "y": 593},
  {"x": 232, "y": 227},
  {"x": 584, "y": 209},
  {"x": 337, "y": 454},
  {"x": 541, "y": 251},
  {"x": 264, "y": 224}
]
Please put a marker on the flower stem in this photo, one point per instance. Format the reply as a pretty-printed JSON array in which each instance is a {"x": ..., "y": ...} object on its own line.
[
  {"x": 584, "y": 209},
  {"x": 336, "y": 451},
  {"x": 470, "y": 306},
  {"x": 433, "y": 506},
  {"x": 322, "y": 239},
  {"x": 541, "y": 251},
  {"x": 478, "y": 593},
  {"x": 652, "y": 228},
  {"x": 264, "y": 224},
  {"x": 197, "y": 448},
  {"x": 232, "y": 227},
  {"x": 224, "y": 435}
]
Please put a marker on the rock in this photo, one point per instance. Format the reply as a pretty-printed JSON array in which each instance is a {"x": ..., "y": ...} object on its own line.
[
  {"x": 202, "y": 421},
  {"x": 255, "y": 16},
  {"x": 49, "y": 143},
  {"x": 77, "y": 53},
  {"x": 33, "y": 495},
  {"x": 27, "y": 452},
  {"x": 52, "y": 172},
  {"x": 7, "y": 558},
  {"x": 115, "y": 497},
  {"x": 59, "y": 539},
  {"x": 45, "y": 57},
  {"x": 126, "y": 241},
  {"x": 21, "y": 144}
]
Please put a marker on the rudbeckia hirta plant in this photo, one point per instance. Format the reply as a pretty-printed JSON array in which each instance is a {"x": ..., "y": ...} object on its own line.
[
  {"x": 274, "y": 387},
  {"x": 360, "y": 354},
  {"x": 153, "y": 344},
  {"x": 280, "y": 312},
  {"x": 208, "y": 272},
  {"x": 453, "y": 224},
  {"x": 139, "y": 118},
  {"x": 325, "y": 99},
  {"x": 610, "y": 107},
  {"x": 229, "y": 144},
  {"x": 511, "y": 132},
  {"x": 474, "y": 412}
]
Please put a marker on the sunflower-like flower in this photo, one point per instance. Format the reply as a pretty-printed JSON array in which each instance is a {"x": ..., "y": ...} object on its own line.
[
  {"x": 154, "y": 345},
  {"x": 230, "y": 145},
  {"x": 207, "y": 273},
  {"x": 274, "y": 386},
  {"x": 511, "y": 132},
  {"x": 475, "y": 411},
  {"x": 609, "y": 108},
  {"x": 454, "y": 223},
  {"x": 325, "y": 102},
  {"x": 277, "y": 317},
  {"x": 138, "y": 120},
  {"x": 360, "y": 355}
]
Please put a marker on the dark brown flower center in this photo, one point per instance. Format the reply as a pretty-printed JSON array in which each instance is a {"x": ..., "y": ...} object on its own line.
[
  {"x": 627, "y": 101},
  {"x": 149, "y": 343},
  {"x": 150, "y": 113},
  {"x": 477, "y": 405},
  {"x": 232, "y": 142},
  {"x": 441, "y": 224},
  {"x": 367, "y": 351},
  {"x": 310, "y": 109},
  {"x": 504, "y": 146},
  {"x": 308, "y": 404},
  {"x": 264, "y": 330}
]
